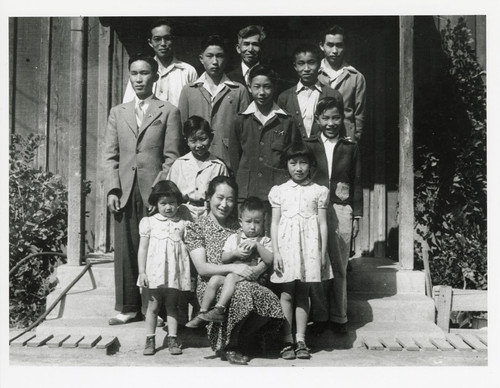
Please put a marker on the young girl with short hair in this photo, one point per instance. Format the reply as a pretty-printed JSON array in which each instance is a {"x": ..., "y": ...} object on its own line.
[
  {"x": 299, "y": 236},
  {"x": 163, "y": 261}
]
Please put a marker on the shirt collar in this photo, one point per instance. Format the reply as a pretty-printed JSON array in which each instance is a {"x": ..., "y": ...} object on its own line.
[
  {"x": 301, "y": 86},
  {"x": 225, "y": 80},
  {"x": 292, "y": 183},
  {"x": 189, "y": 156},
  {"x": 275, "y": 110},
  {"x": 326, "y": 68},
  {"x": 162, "y": 70},
  {"x": 245, "y": 68},
  {"x": 325, "y": 139},
  {"x": 146, "y": 100}
]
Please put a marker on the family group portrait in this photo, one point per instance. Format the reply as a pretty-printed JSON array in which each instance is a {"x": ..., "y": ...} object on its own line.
[{"x": 247, "y": 191}]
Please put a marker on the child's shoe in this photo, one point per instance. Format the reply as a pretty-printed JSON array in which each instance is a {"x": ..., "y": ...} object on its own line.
[
  {"x": 173, "y": 346},
  {"x": 288, "y": 353},
  {"x": 302, "y": 351},
  {"x": 196, "y": 322},
  {"x": 217, "y": 314},
  {"x": 149, "y": 349}
]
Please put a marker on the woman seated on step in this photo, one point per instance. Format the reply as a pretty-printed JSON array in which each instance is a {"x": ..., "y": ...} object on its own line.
[{"x": 252, "y": 307}]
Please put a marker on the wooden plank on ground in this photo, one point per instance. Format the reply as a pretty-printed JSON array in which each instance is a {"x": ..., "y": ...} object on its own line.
[
  {"x": 58, "y": 340},
  {"x": 473, "y": 342},
  {"x": 483, "y": 337},
  {"x": 441, "y": 344},
  {"x": 89, "y": 341},
  {"x": 372, "y": 343},
  {"x": 391, "y": 344},
  {"x": 408, "y": 343},
  {"x": 457, "y": 342},
  {"x": 106, "y": 341},
  {"x": 424, "y": 343},
  {"x": 73, "y": 341},
  {"x": 40, "y": 341},
  {"x": 21, "y": 341}
]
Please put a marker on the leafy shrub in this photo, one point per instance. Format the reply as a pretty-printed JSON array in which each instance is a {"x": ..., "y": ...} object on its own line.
[
  {"x": 38, "y": 211},
  {"x": 450, "y": 184}
]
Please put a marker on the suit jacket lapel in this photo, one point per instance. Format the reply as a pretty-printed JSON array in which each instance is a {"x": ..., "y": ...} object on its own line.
[
  {"x": 130, "y": 118},
  {"x": 341, "y": 78},
  {"x": 298, "y": 113},
  {"x": 151, "y": 114},
  {"x": 221, "y": 94}
]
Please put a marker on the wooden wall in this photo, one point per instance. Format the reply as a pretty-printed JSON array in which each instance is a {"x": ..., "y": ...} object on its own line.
[{"x": 40, "y": 96}]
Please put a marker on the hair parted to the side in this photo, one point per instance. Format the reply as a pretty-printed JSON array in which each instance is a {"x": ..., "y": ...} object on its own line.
[
  {"x": 214, "y": 40},
  {"x": 219, "y": 180},
  {"x": 329, "y": 103},
  {"x": 146, "y": 58},
  {"x": 334, "y": 30},
  {"x": 158, "y": 23},
  {"x": 251, "y": 204},
  {"x": 164, "y": 188},
  {"x": 252, "y": 30},
  {"x": 295, "y": 150},
  {"x": 194, "y": 124}
]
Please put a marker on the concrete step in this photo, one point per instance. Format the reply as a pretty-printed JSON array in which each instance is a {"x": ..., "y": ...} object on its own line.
[
  {"x": 94, "y": 303},
  {"x": 383, "y": 276},
  {"x": 98, "y": 276},
  {"x": 369, "y": 307}
]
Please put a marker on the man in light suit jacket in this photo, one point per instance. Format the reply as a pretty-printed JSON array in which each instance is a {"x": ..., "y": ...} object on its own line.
[
  {"x": 300, "y": 100},
  {"x": 141, "y": 143}
]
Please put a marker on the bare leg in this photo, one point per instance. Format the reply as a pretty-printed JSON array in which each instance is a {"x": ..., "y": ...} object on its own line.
[
  {"x": 171, "y": 300},
  {"x": 286, "y": 299},
  {"x": 228, "y": 289},
  {"x": 154, "y": 302},
  {"x": 301, "y": 308},
  {"x": 211, "y": 291}
]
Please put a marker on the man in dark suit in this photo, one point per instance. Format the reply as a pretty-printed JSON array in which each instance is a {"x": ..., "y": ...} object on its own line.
[
  {"x": 141, "y": 143},
  {"x": 300, "y": 100},
  {"x": 249, "y": 48}
]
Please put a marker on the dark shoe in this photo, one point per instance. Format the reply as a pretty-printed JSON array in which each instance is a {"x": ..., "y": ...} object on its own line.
[
  {"x": 217, "y": 314},
  {"x": 196, "y": 322},
  {"x": 287, "y": 353},
  {"x": 173, "y": 346},
  {"x": 318, "y": 328},
  {"x": 234, "y": 357},
  {"x": 302, "y": 351},
  {"x": 339, "y": 328},
  {"x": 149, "y": 349},
  {"x": 117, "y": 321}
]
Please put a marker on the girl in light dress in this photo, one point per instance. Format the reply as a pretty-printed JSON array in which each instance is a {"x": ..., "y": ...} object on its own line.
[
  {"x": 299, "y": 236},
  {"x": 164, "y": 261}
]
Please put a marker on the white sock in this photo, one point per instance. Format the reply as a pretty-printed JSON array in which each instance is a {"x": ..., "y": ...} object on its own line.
[{"x": 300, "y": 337}]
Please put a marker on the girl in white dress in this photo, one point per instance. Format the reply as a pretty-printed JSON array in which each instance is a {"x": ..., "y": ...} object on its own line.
[
  {"x": 299, "y": 236},
  {"x": 164, "y": 261}
]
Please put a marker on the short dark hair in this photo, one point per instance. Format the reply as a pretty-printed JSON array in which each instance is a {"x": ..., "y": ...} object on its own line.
[
  {"x": 252, "y": 30},
  {"x": 194, "y": 124},
  {"x": 146, "y": 58},
  {"x": 158, "y": 23},
  {"x": 307, "y": 48},
  {"x": 265, "y": 71},
  {"x": 252, "y": 204},
  {"x": 214, "y": 40},
  {"x": 219, "y": 180},
  {"x": 298, "y": 149},
  {"x": 329, "y": 103},
  {"x": 164, "y": 189},
  {"x": 334, "y": 30}
]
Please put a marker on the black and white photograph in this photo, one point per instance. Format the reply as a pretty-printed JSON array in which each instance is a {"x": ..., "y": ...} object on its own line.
[{"x": 195, "y": 186}]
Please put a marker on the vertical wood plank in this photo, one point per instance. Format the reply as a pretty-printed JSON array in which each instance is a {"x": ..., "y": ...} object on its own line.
[
  {"x": 102, "y": 219},
  {"x": 443, "y": 307},
  {"x": 406, "y": 184},
  {"x": 59, "y": 99},
  {"x": 13, "y": 23},
  {"x": 480, "y": 39},
  {"x": 76, "y": 129}
]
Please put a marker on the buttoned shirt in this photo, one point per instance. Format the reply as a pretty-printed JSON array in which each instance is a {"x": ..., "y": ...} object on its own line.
[
  {"x": 144, "y": 108},
  {"x": 329, "y": 148},
  {"x": 193, "y": 179},
  {"x": 169, "y": 85},
  {"x": 308, "y": 98},
  {"x": 275, "y": 110},
  {"x": 223, "y": 82}
]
